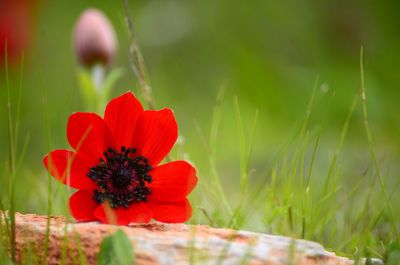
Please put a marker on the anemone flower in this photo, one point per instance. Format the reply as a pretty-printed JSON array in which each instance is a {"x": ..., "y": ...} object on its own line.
[{"x": 115, "y": 166}]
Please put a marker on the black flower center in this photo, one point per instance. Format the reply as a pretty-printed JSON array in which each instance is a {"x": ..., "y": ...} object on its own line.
[{"x": 121, "y": 178}]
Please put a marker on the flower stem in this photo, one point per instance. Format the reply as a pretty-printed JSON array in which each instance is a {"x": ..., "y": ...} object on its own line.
[
  {"x": 98, "y": 74},
  {"x": 136, "y": 60}
]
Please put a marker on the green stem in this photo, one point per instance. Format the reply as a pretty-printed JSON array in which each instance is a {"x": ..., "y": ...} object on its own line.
[
  {"x": 136, "y": 60},
  {"x": 371, "y": 146}
]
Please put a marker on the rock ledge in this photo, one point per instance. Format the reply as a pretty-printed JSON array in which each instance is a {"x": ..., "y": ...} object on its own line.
[{"x": 169, "y": 244}]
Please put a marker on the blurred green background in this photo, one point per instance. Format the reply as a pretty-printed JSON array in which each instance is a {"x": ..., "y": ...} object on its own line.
[{"x": 267, "y": 53}]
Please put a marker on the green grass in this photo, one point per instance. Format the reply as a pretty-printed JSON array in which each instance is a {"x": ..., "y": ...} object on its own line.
[{"x": 299, "y": 198}]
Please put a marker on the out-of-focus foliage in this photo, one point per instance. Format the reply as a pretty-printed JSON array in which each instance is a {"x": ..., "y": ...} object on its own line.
[{"x": 268, "y": 53}]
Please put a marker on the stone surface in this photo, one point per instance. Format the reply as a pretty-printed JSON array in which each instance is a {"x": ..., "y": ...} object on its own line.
[{"x": 169, "y": 244}]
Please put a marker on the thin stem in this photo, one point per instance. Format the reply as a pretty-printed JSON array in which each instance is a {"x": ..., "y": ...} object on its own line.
[
  {"x": 371, "y": 146},
  {"x": 136, "y": 60},
  {"x": 137, "y": 63},
  {"x": 18, "y": 112},
  {"x": 10, "y": 127},
  {"x": 49, "y": 179},
  {"x": 12, "y": 156},
  {"x": 98, "y": 73}
]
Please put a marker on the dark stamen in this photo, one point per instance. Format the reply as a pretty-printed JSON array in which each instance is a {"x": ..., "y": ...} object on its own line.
[{"x": 121, "y": 178}]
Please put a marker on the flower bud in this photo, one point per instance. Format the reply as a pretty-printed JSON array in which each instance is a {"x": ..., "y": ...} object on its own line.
[{"x": 94, "y": 39}]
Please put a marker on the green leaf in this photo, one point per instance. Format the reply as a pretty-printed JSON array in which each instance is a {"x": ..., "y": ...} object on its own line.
[
  {"x": 393, "y": 254},
  {"x": 116, "y": 249},
  {"x": 88, "y": 90},
  {"x": 109, "y": 82}
]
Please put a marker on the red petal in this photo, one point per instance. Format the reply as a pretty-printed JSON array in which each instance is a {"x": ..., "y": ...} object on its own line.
[
  {"x": 155, "y": 134},
  {"x": 172, "y": 181},
  {"x": 136, "y": 213},
  {"x": 88, "y": 134},
  {"x": 68, "y": 168},
  {"x": 82, "y": 205},
  {"x": 121, "y": 115},
  {"x": 172, "y": 212}
]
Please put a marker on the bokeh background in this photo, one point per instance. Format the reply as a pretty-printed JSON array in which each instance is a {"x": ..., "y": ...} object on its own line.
[{"x": 267, "y": 53}]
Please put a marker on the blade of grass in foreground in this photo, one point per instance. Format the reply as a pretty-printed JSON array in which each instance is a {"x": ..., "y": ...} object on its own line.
[
  {"x": 19, "y": 101},
  {"x": 339, "y": 145},
  {"x": 192, "y": 246},
  {"x": 49, "y": 197},
  {"x": 11, "y": 158},
  {"x": 3, "y": 236},
  {"x": 136, "y": 60},
  {"x": 213, "y": 183},
  {"x": 242, "y": 148},
  {"x": 13, "y": 141},
  {"x": 5, "y": 228},
  {"x": 294, "y": 169},
  {"x": 238, "y": 218},
  {"x": 245, "y": 151},
  {"x": 216, "y": 120},
  {"x": 393, "y": 222}
]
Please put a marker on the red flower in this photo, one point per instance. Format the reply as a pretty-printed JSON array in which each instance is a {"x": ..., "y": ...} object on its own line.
[
  {"x": 115, "y": 166},
  {"x": 16, "y": 19}
]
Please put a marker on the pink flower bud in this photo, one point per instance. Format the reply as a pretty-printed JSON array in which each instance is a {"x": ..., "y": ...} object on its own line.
[{"x": 94, "y": 38}]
